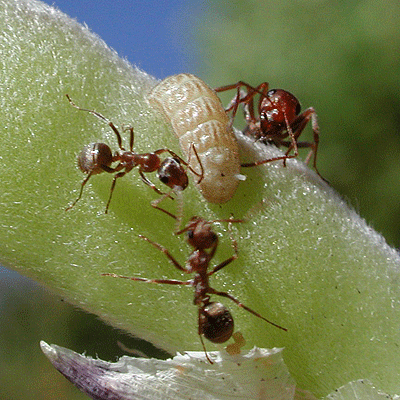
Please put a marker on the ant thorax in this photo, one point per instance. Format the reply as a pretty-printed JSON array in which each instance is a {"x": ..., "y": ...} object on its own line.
[{"x": 198, "y": 262}]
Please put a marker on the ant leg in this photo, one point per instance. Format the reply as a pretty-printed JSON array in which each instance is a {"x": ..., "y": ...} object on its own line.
[
  {"x": 230, "y": 220},
  {"x": 201, "y": 175},
  {"x": 234, "y": 104},
  {"x": 227, "y": 295},
  {"x": 260, "y": 162},
  {"x": 162, "y": 281},
  {"x": 201, "y": 338},
  {"x": 98, "y": 115},
  {"x": 262, "y": 88},
  {"x": 166, "y": 252},
  {"x": 178, "y": 218},
  {"x": 179, "y": 207},
  {"x": 248, "y": 107},
  {"x": 315, "y": 129},
  {"x": 233, "y": 240},
  {"x": 119, "y": 175},
  {"x": 81, "y": 191},
  {"x": 152, "y": 185},
  {"x": 301, "y": 122},
  {"x": 189, "y": 226},
  {"x": 179, "y": 215},
  {"x": 105, "y": 168},
  {"x": 131, "y": 136},
  {"x": 223, "y": 264},
  {"x": 235, "y": 250},
  {"x": 240, "y": 97},
  {"x": 294, "y": 143}
]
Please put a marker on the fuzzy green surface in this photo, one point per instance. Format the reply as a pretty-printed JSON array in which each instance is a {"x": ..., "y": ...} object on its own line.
[{"x": 306, "y": 261}]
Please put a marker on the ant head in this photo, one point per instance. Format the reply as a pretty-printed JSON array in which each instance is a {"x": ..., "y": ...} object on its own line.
[
  {"x": 172, "y": 174},
  {"x": 277, "y": 107},
  {"x": 93, "y": 157},
  {"x": 215, "y": 322},
  {"x": 199, "y": 234}
]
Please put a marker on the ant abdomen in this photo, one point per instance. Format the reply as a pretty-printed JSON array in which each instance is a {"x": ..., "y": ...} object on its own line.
[
  {"x": 215, "y": 322},
  {"x": 93, "y": 157}
]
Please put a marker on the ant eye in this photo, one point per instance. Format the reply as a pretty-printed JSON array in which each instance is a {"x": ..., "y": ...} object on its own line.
[
  {"x": 298, "y": 108},
  {"x": 164, "y": 179},
  {"x": 190, "y": 234},
  {"x": 177, "y": 160}
]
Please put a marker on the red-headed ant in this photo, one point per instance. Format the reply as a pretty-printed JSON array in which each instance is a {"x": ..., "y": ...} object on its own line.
[{"x": 279, "y": 120}]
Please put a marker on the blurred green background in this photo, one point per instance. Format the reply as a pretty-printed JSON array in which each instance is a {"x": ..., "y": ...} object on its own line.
[{"x": 341, "y": 57}]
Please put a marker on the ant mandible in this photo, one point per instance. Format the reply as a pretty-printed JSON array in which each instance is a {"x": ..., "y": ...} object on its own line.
[
  {"x": 215, "y": 322},
  {"x": 96, "y": 158},
  {"x": 279, "y": 117}
]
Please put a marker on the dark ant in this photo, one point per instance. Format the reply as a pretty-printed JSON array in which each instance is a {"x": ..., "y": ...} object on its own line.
[
  {"x": 278, "y": 118},
  {"x": 96, "y": 158},
  {"x": 215, "y": 322}
]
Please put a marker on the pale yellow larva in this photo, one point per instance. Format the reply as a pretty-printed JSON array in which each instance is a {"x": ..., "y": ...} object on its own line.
[{"x": 197, "y": 116}]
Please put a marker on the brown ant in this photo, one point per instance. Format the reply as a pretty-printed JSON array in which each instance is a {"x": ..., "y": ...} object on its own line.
[
  {"x": 278, "y": 118},
  {"x": 215, "y": 322},
  {"x": 96, "y": 158}
]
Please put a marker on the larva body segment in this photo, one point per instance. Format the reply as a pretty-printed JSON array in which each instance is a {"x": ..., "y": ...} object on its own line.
[{"x": 197, "y": 116}]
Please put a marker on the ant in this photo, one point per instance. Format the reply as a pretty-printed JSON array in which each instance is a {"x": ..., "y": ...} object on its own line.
[
  {"x": 96, "y": 158},
  {"x": 279, "y": 117},
  {"x": 215, "y": 322}
]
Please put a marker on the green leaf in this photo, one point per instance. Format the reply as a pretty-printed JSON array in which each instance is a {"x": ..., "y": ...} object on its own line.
[{"x": 306, "y": 261}]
